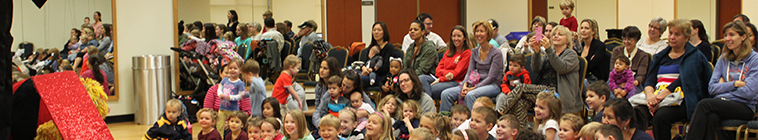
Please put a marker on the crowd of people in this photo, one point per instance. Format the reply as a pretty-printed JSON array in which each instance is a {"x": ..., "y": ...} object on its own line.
[
  {"x": 485, "y": 89},
  {"x": 484, "y": 85},
  {"x": 88, "y": 52}
]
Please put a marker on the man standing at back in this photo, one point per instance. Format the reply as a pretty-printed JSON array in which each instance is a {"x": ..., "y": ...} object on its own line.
[
  {"x": 431, "y": 36},
  {"x": 272, "y": 33}
]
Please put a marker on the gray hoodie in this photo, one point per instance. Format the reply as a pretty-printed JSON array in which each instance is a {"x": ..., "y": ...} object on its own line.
[{"x": 569, "y": 80}]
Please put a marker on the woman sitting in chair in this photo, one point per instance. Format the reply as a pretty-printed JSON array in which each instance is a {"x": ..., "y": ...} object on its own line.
[
  {"x": 680, "y": 69},
  {"x": 733, "y": 84},
  {"x": 380, "y": 36},
  {"x": 421, "y": 56},
  {"x": 639, "y": 59}
]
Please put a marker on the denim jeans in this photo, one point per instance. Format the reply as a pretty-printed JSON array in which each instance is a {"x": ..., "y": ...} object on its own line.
[
  {"x": 500, "y": 100},
  {"x": 451, "y": 95},
  {"x": 372, "y": 77},
  {"x": 426, "y": 81},
  {"x": 439, "y": 87}
]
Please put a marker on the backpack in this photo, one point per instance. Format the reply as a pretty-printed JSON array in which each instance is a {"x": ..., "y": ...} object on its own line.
[
  {"x": 269, "y": 54},
  {"x": 320, "y": 49}
]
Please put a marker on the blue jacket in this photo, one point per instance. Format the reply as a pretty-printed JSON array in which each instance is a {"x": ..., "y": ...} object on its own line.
[
  {"x": 694, "y": 72},
  {"x": 746, "y": 69}
]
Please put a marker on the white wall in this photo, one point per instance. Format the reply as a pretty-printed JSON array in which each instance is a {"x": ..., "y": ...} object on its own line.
[
  {"x": 259, "y": 7},
  {"x": 220, "y": 8},
  {"x": 602, "y": 11},
  {"x": 749, "y": 9},
  {"x": 703, "y": 10},
  {"x": 298, "y": 11},
  {"x": 136, "y": 36},
  {"x": 511, "y": 15},
  {"x": 640, "y": 12},
  {"x": 50, "y": 27},
  {"x": 368, "y": 17},
  {"x": 194, "y": 10}
]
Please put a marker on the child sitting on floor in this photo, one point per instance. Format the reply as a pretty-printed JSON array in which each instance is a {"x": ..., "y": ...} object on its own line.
[{"x": 171, "y": 125}]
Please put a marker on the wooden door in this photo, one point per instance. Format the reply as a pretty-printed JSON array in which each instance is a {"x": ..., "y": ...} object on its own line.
[
  {"x": 539, "y": 8},
  {"x": 398, "y": 15},
  {"x": 445, "y": 13},
  {"x": 344, "y": 22},
  {"x": 726, "y": 10}
]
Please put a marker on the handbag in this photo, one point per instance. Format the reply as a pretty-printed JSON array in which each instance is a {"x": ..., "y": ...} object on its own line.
[
  {"x": 473, "y": 79},
  {"x": 674, "y": 99}
]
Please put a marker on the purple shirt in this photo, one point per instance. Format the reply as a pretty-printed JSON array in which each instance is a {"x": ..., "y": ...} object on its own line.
[
  {"x": 627, "y": 77},
  {"x": 490, "y": 69}
]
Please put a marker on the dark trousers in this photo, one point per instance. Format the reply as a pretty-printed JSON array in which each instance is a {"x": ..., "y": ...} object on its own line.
[
  {"x": 6, "y": 92},
  {"x": 663, "y": 118},
  {"x": 705, "y": 123}
]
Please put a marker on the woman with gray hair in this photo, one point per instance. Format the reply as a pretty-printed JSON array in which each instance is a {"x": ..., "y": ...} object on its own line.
[
  {"x": 255, "y": 30},
  {"x": 653, "y": 43}
]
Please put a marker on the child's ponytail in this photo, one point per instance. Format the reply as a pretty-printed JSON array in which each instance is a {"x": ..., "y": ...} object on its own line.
[{"x": 95, "y": 61}]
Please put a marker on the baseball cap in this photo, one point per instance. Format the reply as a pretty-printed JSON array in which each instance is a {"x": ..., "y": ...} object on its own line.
[
  {"x": 305, "y": 24},
  {"x": 493, "y": 22}
]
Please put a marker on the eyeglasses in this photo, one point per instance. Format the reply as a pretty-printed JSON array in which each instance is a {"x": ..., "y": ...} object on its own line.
[
  {"x": 653, "y": 27},
  {"x": 404, "y": 80}
]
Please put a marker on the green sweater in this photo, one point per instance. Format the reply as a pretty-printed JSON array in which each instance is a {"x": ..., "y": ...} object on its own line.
[{"x": 425, "y": 61}]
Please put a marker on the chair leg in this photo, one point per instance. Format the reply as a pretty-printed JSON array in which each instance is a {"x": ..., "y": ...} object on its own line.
[
  {"x": 737, "y": 137},
  {"x": 685, "y": 128},
  {"x": 747, "y": 133}
]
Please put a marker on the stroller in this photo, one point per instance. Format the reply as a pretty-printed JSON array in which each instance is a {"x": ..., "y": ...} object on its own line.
[
  {"x": 195, "y": 71},
  {"x": 195, "y": 74},
  {"x": 200, "y": 64}
]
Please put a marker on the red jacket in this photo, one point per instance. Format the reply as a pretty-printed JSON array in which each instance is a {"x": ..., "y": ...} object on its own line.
[
  {"x": 458, "y": 65},
  {"x": 523, "y": 77},
  {"x": 212, "y": 101}
]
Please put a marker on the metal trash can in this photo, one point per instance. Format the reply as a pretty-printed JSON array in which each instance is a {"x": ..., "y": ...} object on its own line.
[{"x": 152, "y": 86}]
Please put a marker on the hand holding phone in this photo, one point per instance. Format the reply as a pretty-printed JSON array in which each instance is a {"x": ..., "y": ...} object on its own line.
[{"x": 538, "y": 33}]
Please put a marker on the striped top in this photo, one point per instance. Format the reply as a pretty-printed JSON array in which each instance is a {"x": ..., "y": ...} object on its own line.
[{"x": 668, "y": 71}]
